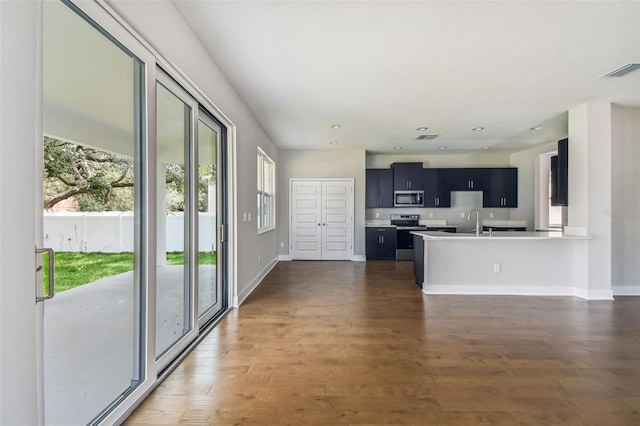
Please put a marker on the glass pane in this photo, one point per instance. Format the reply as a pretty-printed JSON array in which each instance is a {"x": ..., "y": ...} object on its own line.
[
  {"x": 208, "y": 293},
  {"x": 90, "y": 218},
  {"x": 172, "y": 279}
]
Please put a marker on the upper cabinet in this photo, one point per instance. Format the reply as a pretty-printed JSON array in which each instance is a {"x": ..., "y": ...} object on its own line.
[
  {"x": 437, "y": 187},
  {"x": 560, "y": 175},
  {"x": 407, "y": 176},
  {"x": 379, "y": 188},
  {"x": 469, "y": 179},
  {"x": 502, "y": 190}
]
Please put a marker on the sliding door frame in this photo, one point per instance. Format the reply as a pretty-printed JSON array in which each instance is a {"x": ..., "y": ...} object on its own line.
[{"x": 103, "y": 16}]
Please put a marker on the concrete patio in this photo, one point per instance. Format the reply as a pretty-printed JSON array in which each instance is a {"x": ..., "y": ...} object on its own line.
[{"x": 88, "y": 340}]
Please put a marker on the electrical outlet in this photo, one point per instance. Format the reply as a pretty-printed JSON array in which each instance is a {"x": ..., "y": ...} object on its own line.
[
  {"x": 462, "y": 215},
  {"x": 430, "y": 215},
  {"x": 377, "y": 215},
  {"x": 491, "y": 215},
  {"x": 249, "y": 217},
  {"x": 281, "y": 244},
  {"x": 496, "y": 267},
  {"x": 244, "y": 217},
  {"x": 259, "y": 260}
]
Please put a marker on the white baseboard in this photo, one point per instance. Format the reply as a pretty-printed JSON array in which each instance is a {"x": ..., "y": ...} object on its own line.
[
  {"x": 626, "y": 290},
  {"x": 602, "y": 294},
  {"x": 358, "y": 258},
  {"x": 284, "y": 257},
  {"x": 254, "y": 283},
  {"x": 498, "y": 290}
]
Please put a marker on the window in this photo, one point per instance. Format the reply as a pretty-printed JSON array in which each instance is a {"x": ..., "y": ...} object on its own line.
[{"x": 266, "y": 189}]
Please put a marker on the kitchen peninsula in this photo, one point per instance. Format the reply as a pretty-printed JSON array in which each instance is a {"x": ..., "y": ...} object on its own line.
[{"x": 501, "y": 263}]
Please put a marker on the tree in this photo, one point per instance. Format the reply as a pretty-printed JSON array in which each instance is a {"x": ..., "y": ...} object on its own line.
[
  {"x": 99, "y": 180},
  {"x": 102, "y": 181}
]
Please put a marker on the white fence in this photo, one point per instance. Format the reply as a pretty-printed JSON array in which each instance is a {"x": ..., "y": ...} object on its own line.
[{"x": 112, "y": 232}]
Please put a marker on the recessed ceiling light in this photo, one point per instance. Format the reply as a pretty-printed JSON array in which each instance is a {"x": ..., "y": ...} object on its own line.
[
  {"x": 443, "y": 147},
  {"x": 422, "y": 129},
  {"x": 477, "y": 129},
  {"x": 536, "y": 128},
  {"x": 336, "y": 126},
  {"x": 333, "y": 142},
  {"x": 485, "y": 147},
  {"x": 397, "y": 147}
]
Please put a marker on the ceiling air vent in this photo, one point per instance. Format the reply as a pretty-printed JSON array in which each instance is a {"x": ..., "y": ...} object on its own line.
[
  {"x": 623, "y": 70},
  {"x": 426, "y": 137}
]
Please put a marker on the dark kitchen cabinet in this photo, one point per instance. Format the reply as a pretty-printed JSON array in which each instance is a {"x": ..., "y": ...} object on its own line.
[
  {"x": 379, "y": 188},
  {"x": 418, "y": 259},
  {"x": 502, "y": 188},
  {"x": 437, "y": 187},
  {"x": 560, "y": 188},
  {"x": 407, "y": 176},
  {"x": 469, "y": 179},
  {"x": 381, "y": 243}
]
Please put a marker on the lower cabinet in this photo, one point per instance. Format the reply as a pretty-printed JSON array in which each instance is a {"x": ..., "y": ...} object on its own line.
[
  {"x": 381, "y": 243},
  {"x": 418, "y": 259}
]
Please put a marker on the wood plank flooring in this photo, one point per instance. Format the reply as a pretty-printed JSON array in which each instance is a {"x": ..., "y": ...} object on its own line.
[{"x": 337, "y": 343}]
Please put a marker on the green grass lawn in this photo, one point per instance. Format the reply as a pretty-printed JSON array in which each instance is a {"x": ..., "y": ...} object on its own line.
[{"x": 75, "y": 269}]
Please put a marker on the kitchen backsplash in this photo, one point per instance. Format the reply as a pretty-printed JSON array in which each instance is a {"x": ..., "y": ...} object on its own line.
[{"x": 461, "y": 203}]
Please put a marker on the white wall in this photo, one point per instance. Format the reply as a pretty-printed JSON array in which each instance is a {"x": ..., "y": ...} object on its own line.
[
  {"x": 163, "y": 27},
  {"x": 19, "y": 127},
  {"x": 590, "y": 192},
  {"x": 625, "y": 200},
  {"x": 321, "y": 164}
]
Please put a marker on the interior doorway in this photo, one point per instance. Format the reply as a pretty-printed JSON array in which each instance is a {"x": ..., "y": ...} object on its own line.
[
  {"x": 321, "y": 216},
  {"x": 547, "y": 215}
]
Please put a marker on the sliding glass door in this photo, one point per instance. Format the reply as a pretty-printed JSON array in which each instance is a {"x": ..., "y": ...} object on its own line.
[
  {"x": 92, "y": 217},
  {"x": 134, "y": 206},
  {"x": 211, "y": 253}
]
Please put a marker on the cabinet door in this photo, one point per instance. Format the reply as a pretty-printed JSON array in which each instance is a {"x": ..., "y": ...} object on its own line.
[
  {"x": 385, "y": 188},
  {"x": 379, "y": 188},
  {"x": 372, "y": 196},
  {"x": 562, "y": 189},
  {"x": 503, "y": 188},
  {"x": 372, "y": 243},
  {"x": 389, "y": 244},
  {"x": 407, "y": 176},
  {"x": 469, "y": 179},
  {"x": 437, "y": 187},
  {"x": 380, "y": 243}
]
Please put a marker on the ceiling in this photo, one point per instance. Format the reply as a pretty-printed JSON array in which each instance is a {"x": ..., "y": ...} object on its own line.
[{"x": 381, "y": 70}]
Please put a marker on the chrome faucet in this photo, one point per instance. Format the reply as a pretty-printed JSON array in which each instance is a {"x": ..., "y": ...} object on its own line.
[{"x": 477, "y": 220}]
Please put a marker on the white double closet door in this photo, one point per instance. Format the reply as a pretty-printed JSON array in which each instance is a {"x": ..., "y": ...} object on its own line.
[{"x": 321, "y": 219}]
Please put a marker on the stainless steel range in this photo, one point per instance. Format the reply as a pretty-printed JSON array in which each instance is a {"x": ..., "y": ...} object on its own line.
[{"x": 405, "y": 223}]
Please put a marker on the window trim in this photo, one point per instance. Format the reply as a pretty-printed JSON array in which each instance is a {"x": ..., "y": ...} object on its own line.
[{"x": 266, "y": 159}]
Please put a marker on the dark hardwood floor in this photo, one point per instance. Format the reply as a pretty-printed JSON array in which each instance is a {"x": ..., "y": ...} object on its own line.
[{"x": 357, "y": 343}]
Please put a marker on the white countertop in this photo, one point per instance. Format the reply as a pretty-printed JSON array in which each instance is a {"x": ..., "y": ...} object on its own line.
[
  {"x": 504, "y": 236},
  {"x": 427, "y": 222}
]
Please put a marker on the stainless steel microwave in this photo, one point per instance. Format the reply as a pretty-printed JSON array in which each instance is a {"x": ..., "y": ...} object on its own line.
[{"x": 408, "y": 198}]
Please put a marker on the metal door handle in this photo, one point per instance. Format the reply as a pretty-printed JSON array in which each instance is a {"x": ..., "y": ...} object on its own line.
[{"x": 51, "y": 280}]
